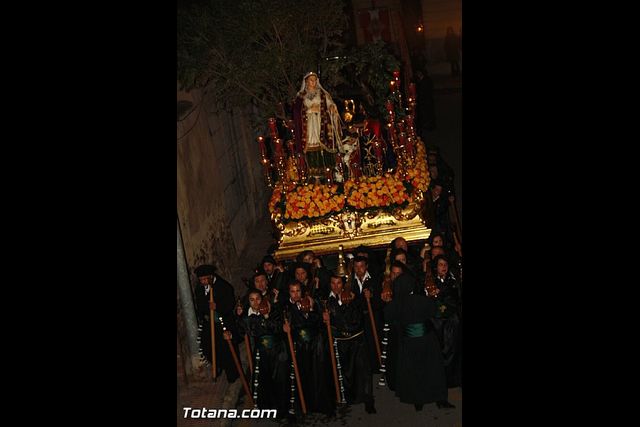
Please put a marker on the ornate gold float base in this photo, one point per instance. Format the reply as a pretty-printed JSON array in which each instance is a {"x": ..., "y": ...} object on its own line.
[{"x": 373, "y": 228}]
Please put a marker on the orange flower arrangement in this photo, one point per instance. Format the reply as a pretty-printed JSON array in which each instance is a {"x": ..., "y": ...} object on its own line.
[
  {"x": 375, "y": 191},
  {"x": 312, "y": 201}
]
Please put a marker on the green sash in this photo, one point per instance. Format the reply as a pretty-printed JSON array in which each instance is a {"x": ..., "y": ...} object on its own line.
[{"x": 415, "y": 330}]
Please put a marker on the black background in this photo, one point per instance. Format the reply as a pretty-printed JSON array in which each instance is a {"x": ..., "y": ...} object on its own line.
[{"x": 107, "y": 249}]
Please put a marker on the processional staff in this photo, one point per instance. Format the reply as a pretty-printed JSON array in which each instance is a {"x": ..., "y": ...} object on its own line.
[
  {"x": 367, "y": 296},
  {"x": 247, "y": 342},
  {"x": 287, "y": 329},
  {"x": 245, "y": 385},
  {"x": 332, "y": 351},
  {"x": 213, "y": 332}
]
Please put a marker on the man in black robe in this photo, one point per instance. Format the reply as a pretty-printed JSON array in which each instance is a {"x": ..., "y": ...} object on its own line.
[
  {"x": 275, "y": 274},
  {"x": 396, "y": 270},
  {"x": 374, "y": 265},
  {"x": 261, "y": 283},
  {"x": 270, "y": 378},
  {"x": 311, "y": 351},
  {"x": 347, "y": 327},
  {"x": 440, "y": 203},
  {"x": 223, "y": 304},
  {"x": 412, "y": 253},
  {"x": 446, "y": 320},
  {"x": 318, "y": 274},
  {"x": 366, "y": 284},
  {"x": 420, "y": 376}
]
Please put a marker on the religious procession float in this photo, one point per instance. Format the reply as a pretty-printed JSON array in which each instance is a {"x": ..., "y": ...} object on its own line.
[{"x": 336, "y": 181}]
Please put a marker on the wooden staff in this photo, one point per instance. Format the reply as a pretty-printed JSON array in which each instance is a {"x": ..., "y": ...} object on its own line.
[
  {"x": 373, "y": 328},
  {"x": 333, "y": 356},
  {"x": 457, "y": 243},
  {"x": 213, "y": 334},
  {"x": 295, "y": 367},
  {"x": 249, "y": 353},
  {"x": 247, "y": 343},
  {"x": 453, "y": 214},
  {"x": 245, "y": 385}
]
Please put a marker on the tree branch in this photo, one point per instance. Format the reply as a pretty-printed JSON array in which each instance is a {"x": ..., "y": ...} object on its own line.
[{"x": 282, "y": 54}]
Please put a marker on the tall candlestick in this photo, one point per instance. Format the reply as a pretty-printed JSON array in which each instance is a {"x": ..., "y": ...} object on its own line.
[
  {"x": 396, "y": 80},
  {"x": 392, "y": 132},
  {"x": 396, "y": 87},
  {"x": 267, "y": 172},
  {"x": 278, "y": 146},
  {"x": 291, "y": 127},
  {"x": 404, "y": 150},
  {"x": 392, "y": 115},
  {"x": 410, "y": 150},
  {"x": 411, "y": 126},
  {"x": 403, "y": 139},
  {"x": 409, "y": 119},
  {"x": 389, "y": 106},
  {"x": 273, "y": 128},
  {"x": 263, "y": 148}
]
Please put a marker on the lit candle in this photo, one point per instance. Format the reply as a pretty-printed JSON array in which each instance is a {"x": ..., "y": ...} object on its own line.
[
  {"x": 278, "y": 145},
  {"x": 392, "y": 85},
  {"x": 267, "y": 171},
  {"x": 389, "y": 106},
  {"x": 291, "y": 127},
  {"x": 393, "y": 138},
  {"x": 410, "y": 147},
  {"x": 409, "y": 119},
  {"x": 410, "y": 124},
  {"x": 403, "y": 139},
  {"x": 263, "y": 148},
  {"x": 396, "y": 77}
]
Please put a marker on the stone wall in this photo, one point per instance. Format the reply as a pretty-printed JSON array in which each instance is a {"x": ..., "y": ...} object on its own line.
[{"x": 220, "y": 188}]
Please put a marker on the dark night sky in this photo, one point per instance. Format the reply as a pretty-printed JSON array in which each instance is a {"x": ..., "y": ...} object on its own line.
[{"x": 186, "y": 3}]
